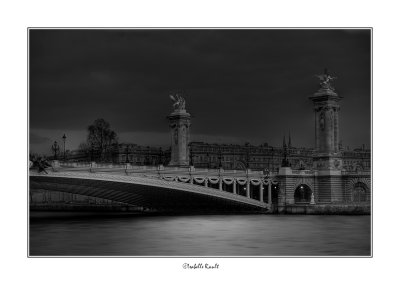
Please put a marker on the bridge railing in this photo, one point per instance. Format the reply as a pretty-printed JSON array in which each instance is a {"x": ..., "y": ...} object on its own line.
[{"x": 132, "y": 169}]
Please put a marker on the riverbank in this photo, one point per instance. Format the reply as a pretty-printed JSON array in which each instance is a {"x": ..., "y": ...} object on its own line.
[
  {"x": 73, "y": 207},
  {"x": 325, "y": 209},
  {"x": 298, "y": 209}
]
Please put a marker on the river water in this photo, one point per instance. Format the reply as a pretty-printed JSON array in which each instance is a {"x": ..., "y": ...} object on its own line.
[{"x": 208, "y": 235}]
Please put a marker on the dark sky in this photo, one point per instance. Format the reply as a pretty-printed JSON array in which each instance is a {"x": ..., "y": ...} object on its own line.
[{"x": 240, "y": 85}]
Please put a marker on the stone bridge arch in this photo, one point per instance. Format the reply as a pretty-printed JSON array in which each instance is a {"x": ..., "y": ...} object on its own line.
[
  {"x": 144, "y": 191},
  {"x": 308, "y": 184}
]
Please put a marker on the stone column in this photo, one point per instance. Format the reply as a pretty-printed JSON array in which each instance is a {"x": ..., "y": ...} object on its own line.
[
  {"x": 220, "y": 183},
  {"x": 234, "y": 186},
  {"x": 180, "y": 135},
  {"x": 248, "y": 188},
  {"x": 261, "y": 192}
]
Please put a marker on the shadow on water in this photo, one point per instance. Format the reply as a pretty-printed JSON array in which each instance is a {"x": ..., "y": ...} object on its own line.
[{"x": 133, "y": 234}]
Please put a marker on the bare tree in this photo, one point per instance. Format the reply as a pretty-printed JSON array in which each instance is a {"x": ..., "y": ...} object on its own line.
[{"x": 101, "y": 138}]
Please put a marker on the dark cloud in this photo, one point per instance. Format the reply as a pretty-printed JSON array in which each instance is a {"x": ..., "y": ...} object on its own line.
[
  {"x": 37, "y": 139},
  {"x": 238, "y": 83}
]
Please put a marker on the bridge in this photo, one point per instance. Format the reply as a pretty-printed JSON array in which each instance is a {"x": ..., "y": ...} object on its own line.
[{"x": 161, "y": 188}]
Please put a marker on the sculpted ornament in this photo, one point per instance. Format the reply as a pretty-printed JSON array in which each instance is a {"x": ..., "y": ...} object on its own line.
[
  {"x": 179, "y": 102},
  {"x": 326, "y": 80}
]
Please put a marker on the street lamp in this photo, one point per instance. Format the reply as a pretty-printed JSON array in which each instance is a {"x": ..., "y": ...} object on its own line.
[
  {"x": 148, "y": 162},
  {"x": 127, "y": 154},
  {"x": 160, "y": 156},
  {"x": 91, "y": 151},
  {"x": 247, "y": 157},
  {"x": 191, "y": 156},
  {"x": 220, "y": 158},
  {"x": 55, "y": 149},
  {"x": 64, "y": 138}
]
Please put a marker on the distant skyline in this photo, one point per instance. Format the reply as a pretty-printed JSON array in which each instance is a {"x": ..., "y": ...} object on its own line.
[{"x": 239, "y": 85}]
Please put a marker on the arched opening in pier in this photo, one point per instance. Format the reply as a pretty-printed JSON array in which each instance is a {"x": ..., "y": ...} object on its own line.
[
  {"x": 302, "y": 194},
  {"x": 360, "y": 193}
]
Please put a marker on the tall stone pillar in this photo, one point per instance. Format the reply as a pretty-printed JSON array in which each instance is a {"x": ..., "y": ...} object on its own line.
[
  {"x": 326, "y": 108},
  {"x": 179, "y": 123},
  {"x": 327, "y": 159}
]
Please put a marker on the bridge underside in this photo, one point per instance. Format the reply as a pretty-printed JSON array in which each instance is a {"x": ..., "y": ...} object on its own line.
[{"x": 162, "y": 199}]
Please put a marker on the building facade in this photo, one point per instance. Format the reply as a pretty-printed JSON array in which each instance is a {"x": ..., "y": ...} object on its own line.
[{"x": 140, "y": 155}]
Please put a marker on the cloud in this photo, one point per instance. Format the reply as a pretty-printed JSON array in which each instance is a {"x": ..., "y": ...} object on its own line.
[
  {"x": 37, "y": 139},
  {"x": 238, "y": 83}
]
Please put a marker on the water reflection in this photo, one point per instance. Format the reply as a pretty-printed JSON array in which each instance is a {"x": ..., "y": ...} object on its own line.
[{"x": 216, "y": 235}]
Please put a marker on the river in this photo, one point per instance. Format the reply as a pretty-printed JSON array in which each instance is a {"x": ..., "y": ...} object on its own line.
[{"x": 202, "y": 235}]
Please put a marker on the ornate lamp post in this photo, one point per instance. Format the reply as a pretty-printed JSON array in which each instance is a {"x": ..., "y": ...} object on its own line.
[
  {"x": 191, "y": 157},
  {"x": 233, "y": 158},
  {"x": 91, "y": 151},
  {"x": 127, "y": 154},
  {"x": 220, "y": 158},
  {"x": 247, "y": 157},
  {"x": 160, "y": 156},
  {"x": 64, "y": 138},
  {"x": 148, "y": 156},
  {"x": 55, "y": 149}
]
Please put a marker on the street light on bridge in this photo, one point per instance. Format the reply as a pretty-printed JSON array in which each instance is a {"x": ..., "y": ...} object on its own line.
[
  {"x": 220, "y": 158},
  {"x": 55, "y": 147},
  {"x": 91, "y": 151},
  {"x": 64, "y": 138},
  {"x": 191, "y": 156},
  {"x": 247, "y": 157},
  {"x": 127, "y": 154},
  {"x": 160, "y": 156}
]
